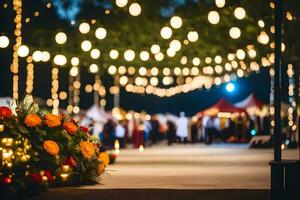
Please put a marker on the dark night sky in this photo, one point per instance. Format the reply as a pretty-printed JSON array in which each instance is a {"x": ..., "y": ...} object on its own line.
[{"x": 257, "y": 83}]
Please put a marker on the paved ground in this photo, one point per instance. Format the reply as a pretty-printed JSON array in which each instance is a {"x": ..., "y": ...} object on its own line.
[
  {"x": 182, "y": 172},
  {"x": 192, "y": 167}
]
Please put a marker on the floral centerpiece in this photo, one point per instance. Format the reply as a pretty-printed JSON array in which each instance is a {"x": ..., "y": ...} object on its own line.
[{"x": 39, "y": 149}]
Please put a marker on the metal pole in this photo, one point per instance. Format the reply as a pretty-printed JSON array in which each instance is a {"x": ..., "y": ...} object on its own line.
[
  {"x": 277, "y": 170},
  {"x": 277, "y": 80}
]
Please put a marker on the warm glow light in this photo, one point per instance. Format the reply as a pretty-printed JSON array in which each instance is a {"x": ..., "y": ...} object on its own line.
[
  {"x": 123, "y": 80},
  {"x": 100, "y": 33},
  {"x": 183, "y": 60},
  {"x": 144, "y": 55},
  {"x": 37, "y": 56},
  {"x": 74, "y": 71},
  {"x": 155, "y": 48},
  {"x": 23, "y": 51},
  {"x": 142, "y": 71},
  {"x": 86, "y": 45},
  {"x": 112, "y": 69},
  {"x": 252, "y": 53},
  {"x": 213, "y": 17},
  {"x": 240, "y": 13},
  {"x": 159, "y": 57},
  {"x": 235, "y": 32},
  {"x": 95, "y": 54},
  {"x": 240, "y": 54},
  {"x": 263, "y": 38},
  {"x": 94, "y": 68},
  {"x": 60, "y": 38},
  {"x": 84, "y": 28},
  {"x": 46, "y": 56},
  {"x": 166, "y": 32},
  {"x": 121, "y": 3},
  {"x": 175, "y": 45},
  {"x": 135, "y": 9},
  {"x": 4, "y": 41},
  {"x": 192, "y": 36},
  {"x": 75, "y": 61},
  {"x": 60, "y": 60},
  {"x": 154, "y": 81},
  {"x": 171, "y": 52},
  {"x": 129, "y": 55},
  {"x": 261, "y": 23},
  {"x": 220, "y": 3},
  {"x": 196, "y": 61},
  {"x": 154, "y": 71},
  {"x": 176, "y": 22},
  {"x": 113, "y": 54},
  {"x": 218, "y": 59}
]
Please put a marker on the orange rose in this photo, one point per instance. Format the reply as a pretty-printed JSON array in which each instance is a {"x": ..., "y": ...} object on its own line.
[
  {"x": 51, "y": 147},
  {"x": 87, "y": 149},
  {"x": 105, "y": 161},
  {"x": 52, "y": 120},
  {"x": 32, "y": 120},
  {"x": 104, "y": 158},
  {"x": 70, "y": 127}
]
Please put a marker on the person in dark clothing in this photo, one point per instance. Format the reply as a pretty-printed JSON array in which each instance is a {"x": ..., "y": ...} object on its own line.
[
  {"x": 194, "y": 131},
  {"x": 155, "y": 130},
  {"x": 171, "y": 132},
  {"x": 109, "y": 134}
]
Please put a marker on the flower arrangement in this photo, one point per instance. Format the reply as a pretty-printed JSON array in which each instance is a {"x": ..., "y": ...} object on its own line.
[{"x": 39, "y": 149}]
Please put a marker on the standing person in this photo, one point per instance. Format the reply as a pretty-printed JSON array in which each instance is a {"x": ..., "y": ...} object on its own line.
[
  {"x": 194, "y": 130},
  {"x": 120, "y": 134},
  {"x": 155, "y": 129},
  {"x": 171, "y": 132},
  {"x": 136, "y": 134},
  {"x": 182, "y": 125},
  {"x": 147, "y": 130},
  {"x": 109, "y": 134}
]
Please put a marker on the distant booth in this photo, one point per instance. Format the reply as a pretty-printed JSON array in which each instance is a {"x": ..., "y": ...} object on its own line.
[
  {"x": 223, "y": 122},
  {"x": 235, "y": 123}
]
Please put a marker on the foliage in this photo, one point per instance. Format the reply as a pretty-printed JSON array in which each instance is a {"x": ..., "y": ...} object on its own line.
[{"x": 30, "y": 164}]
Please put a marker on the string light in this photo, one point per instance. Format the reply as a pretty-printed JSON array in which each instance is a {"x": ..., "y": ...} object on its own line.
[
  {"x": 135, "y": 9},
  {"x": 213, "y": 17},
  {"x": 239, "y": 13},
  {"x": 30, "y": 75},
  {"x": 4, "y": 41},
  {"x": 176, "y": 22},
  {"x": 17, "y": 6}
]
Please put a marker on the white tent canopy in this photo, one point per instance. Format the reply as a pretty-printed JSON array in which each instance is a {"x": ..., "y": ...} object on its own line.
[{"x": 97, "y": 114}]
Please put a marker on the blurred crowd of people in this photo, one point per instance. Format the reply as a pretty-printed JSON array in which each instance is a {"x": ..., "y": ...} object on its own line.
[{"x": 169, "y": 129}]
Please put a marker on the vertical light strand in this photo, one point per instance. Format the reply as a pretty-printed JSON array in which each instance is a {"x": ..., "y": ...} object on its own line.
[
  {"x": 76, "y": 97},
  {"x": 14, "y": 68},
  {"x": 272, "y": 110},
  {"x": 70, "y": 94},
  {"x": 54, "y": 90},
  {"x": 97, "y": 88},
  {"x": 292, "y": 103},
  {"x": 30, "y": 75},
  {"x": 116, "y": 91}
]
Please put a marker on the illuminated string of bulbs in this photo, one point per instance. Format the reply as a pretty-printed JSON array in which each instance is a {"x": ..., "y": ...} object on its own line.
[
  {"x": 17, "y": 6},
  {"x": 30, "y": 75},
  {"x": 292, "y": 120}
]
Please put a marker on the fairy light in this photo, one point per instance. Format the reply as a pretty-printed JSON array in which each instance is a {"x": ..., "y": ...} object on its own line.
[
  {"x": 54, "y": 90},
  {"x": 292, "y": 118},
  {"x": 30, "y": 75},
  {"x": 17, "y": 6}
]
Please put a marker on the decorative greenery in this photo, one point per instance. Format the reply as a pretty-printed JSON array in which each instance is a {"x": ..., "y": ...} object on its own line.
[{"x": 39, "y": 149}]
